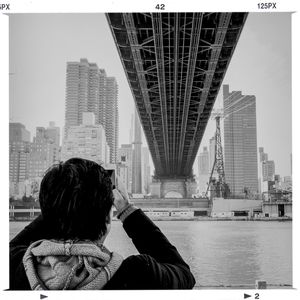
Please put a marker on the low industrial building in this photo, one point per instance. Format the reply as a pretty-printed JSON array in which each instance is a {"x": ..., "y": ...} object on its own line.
[
  {"x": 277, "y": 209},
  {"x": 227, "y": 208}
]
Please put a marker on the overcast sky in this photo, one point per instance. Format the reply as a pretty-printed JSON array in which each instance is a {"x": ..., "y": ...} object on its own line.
[{"x": 41, "y": 44}]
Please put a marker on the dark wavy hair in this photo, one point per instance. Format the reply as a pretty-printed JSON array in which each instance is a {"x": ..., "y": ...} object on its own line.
[{"x": 76, "y": 198}]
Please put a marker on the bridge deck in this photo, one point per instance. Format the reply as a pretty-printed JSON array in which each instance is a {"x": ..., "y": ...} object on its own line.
[{"x": 175, "y": 63}]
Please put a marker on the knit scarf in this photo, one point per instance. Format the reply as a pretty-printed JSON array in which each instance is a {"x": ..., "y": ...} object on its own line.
[{"x": 69, "y": 265}]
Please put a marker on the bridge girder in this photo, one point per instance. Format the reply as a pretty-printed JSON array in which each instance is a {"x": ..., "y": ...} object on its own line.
[{"x": 175, "y": 64}]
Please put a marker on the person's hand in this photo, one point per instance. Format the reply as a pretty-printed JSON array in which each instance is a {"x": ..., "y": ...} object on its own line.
[{"x": 121, "y": 198}]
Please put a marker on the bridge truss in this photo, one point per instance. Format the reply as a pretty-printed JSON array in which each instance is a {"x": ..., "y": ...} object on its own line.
[{"x": 175, "y": 64}]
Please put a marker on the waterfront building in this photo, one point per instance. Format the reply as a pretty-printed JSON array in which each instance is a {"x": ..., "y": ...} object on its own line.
[
  {"x": 137, "y": 157},
  {"x": 203, "y": 170},
  {"x": 19, "y": 148},
  {"x": 88, "y": 89},
  {"x": 86, "y": 141},
  {"x": 125, "y": 155},
  {"x": 240, "y": 142}
]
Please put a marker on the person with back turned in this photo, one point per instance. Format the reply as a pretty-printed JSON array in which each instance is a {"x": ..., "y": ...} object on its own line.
[{"x": 63, "y": 248}]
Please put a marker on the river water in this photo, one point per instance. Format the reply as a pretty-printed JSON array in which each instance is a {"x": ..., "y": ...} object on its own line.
[{"x": 220, "y": 253}]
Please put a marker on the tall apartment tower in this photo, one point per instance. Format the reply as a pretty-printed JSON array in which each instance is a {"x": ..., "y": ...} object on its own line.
[
  {"x": 240, "y": 142},
  {"x": 112, "y": 117},
  {"x": 88, "y": 89},
  {"x": 137, "y": 157}
]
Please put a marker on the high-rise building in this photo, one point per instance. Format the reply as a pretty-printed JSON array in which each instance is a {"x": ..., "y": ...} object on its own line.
[
  {"x": 18, "y": 133},
  {"x": 101, "y": 113},
  {"x": 262, "y": 156},
  {"x": 131, "y": 132},
  {"x": 268, "y": 170},
  {"x": 52, "y": 133},
  {"x": 112, "y": 117},
  {"x": 88, "y": 89},
  {"x": 203, "y": 170},
  {"x": 137, "y": 157},
  {"x": 212, "y": 146},
  {"x": 44, "y": 150},
  {"x": 203, "y": 161},
  {"x": 19, "y": 148},
  {"x": 86, "y": 141},
  {"x": 125, "y": 154},
  {"x": 122, "y": 174},
  {"x": 240, "y": 142}
]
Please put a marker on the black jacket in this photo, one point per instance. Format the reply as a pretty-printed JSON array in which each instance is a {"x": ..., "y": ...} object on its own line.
[{"x": 158, "y": 266}]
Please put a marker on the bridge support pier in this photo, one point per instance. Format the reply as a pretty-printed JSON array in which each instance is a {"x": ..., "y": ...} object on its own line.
[{"x": 173, "y": 188}]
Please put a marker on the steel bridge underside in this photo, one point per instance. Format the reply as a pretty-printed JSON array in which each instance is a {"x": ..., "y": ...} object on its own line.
[{"x": 175, "y": 64}]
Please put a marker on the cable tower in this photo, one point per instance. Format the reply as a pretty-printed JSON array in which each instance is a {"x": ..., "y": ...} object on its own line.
[{"x": 218, "y": 187}]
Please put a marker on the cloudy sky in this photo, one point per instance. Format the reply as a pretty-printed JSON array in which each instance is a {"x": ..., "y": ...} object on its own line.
[{"x": 41, "y": 44}]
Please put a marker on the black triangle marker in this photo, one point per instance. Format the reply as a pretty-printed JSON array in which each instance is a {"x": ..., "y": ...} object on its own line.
[
  {"x": 43, "y": 296},
  {"x": 246, "y": 296}
]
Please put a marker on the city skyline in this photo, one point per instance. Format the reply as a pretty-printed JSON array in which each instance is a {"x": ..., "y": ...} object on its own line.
[{"x": 259, "y": 79}]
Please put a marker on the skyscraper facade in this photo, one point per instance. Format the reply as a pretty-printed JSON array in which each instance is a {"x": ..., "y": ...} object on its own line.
[
  {"x": 112, "y": 117},
  {"x": 88, "y": 89},
  {"x": 240, "y": 142},
  {"x": 137, "y": 157}
]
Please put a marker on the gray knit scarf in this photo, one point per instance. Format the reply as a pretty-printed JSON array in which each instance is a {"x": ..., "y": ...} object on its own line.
[{"x": 69, "y": 265}]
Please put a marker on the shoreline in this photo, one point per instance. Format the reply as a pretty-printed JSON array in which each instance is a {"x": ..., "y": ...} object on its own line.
[{"x": 195, "y": 219}]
